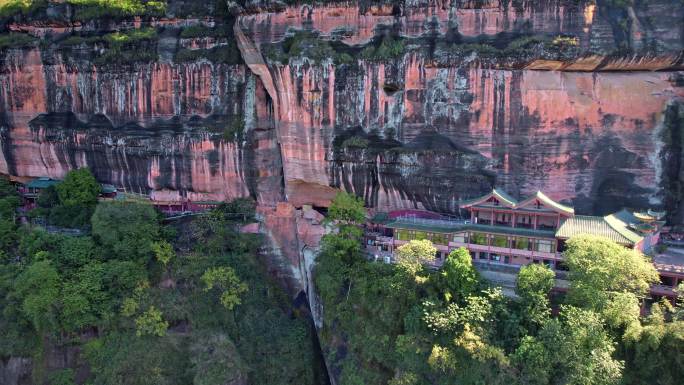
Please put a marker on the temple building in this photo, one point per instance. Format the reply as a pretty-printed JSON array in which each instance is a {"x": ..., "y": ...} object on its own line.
[{"x": 501, "y": 230}]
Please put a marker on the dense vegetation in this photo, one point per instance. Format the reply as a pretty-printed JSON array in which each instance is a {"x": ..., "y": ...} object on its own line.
[
  {"x": 70, "y": 203},
  {"x": 406, "y": 324},
  {"x": 138, "y": 302},
  {"x": 117, "y": 48},
  {"x": 86, "y": 9}
]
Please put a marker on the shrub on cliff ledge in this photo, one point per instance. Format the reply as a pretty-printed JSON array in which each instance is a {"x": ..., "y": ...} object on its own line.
[
  {"x": 9, "y": 8},
  {"x": 86, "y": 9},
  {"x": 389, "y": 48},
  {"x": 92, "y": 9},
  {"x": 355, "y": 142},
  {"x": 16, "y": 40},
  {"x": 129, "y": 47}
]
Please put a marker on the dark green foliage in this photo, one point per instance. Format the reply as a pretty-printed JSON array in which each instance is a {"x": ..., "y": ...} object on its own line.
[
  {"x": 71, "y": 202},
  {"x": 655, "y": 355},
  {"x": 195, "y": 31},
  {"x": 389, "y": 48},
  {"x": 355, "y": 142},
  {"x": 146, "y": 329},
  {"x": 235, "y": 132},
  {"x": 93, "y": 9},
  {"x": 126, "y": 230},
  {"x": 48, "y": 198},
  {"x": 303, "y": 44},
  {"x": 63, "y": 377},
  {"x": 240, "y": 209},
  {"x": 224, "y": 54},
  {"x": 9, "y": 200},
  {"x": 15, "y": 40},
  {"x": 275, "y": 348},
  {"x": 122, "y": 358},
  {"x": 347, "y": 209},
  {"x": 86, "y": 9},
  {"x": 129, "y": 47},
  {"x": 9, "y": 8},
  {"x": 39, "y": 286},
  {"x": 118, "y": 48},
  {"x": 216, "y": 360}
]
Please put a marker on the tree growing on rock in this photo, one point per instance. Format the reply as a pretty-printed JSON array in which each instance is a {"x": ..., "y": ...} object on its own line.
[{"x": 347, "y": 209}]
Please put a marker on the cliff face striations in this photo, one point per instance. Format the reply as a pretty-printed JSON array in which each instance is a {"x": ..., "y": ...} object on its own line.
[{"x": 408, "y": 104}]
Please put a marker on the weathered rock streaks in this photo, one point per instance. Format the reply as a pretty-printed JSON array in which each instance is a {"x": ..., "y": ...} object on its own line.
[{"x": 435, "y": 133}]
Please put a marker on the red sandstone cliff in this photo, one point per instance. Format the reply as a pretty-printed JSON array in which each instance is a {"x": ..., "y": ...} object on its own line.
[{"x": 444, "y": 131}]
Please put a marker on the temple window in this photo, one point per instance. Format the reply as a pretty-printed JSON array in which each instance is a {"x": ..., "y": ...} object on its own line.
[{"x": 545, "y": 246}]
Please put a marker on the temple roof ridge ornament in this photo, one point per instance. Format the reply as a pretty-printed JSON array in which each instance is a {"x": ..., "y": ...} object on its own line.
[
  {"x": 543, "y": 198},
  {"x": 497, "y": 194},
  {"x": 508, "y": 201}
]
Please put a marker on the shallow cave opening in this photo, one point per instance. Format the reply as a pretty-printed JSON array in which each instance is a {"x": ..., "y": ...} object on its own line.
[
  {"x": 390, "y": 88},
  {"x": 321, "y": 209}
]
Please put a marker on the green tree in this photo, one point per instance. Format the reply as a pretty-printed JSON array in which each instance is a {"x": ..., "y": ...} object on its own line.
[
  {"x": 8, "y": 235},
  {"x": 224, "y": 279},
  {"x": 458, "y": 278},
  {"x": 74, "y": 252},
  {"x": 9, "y": 200},
  {"x": 48, "y": 198},
  {"x": 127, "y": 230},
  {"x": 347, "y": 208},
  {"x": 533, "y": 285},
  {"x": 574, "y": 349},
  {"x": 151, "y": 323},
  {"x": 85, "y": 300},
  {"x": 533, "y": 280},
  {"x": 163, "y": 251},
  {"x": 413, "y": 254},
  {"x": 655, "y": 354},
  {"x": 599, "y": 268},
  {"x": 39, "y": 287},
  {"x": 79, "y": 188}
]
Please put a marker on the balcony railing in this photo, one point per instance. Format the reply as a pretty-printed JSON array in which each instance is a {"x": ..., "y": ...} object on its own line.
[{"x": 432, "y": 222}]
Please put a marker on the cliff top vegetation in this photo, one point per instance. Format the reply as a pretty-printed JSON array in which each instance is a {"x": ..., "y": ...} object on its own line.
[{"x": 85, "y": 9}]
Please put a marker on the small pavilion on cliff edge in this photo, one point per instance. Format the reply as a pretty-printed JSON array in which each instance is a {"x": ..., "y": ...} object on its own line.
[{"x": 505, "y": 233}]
